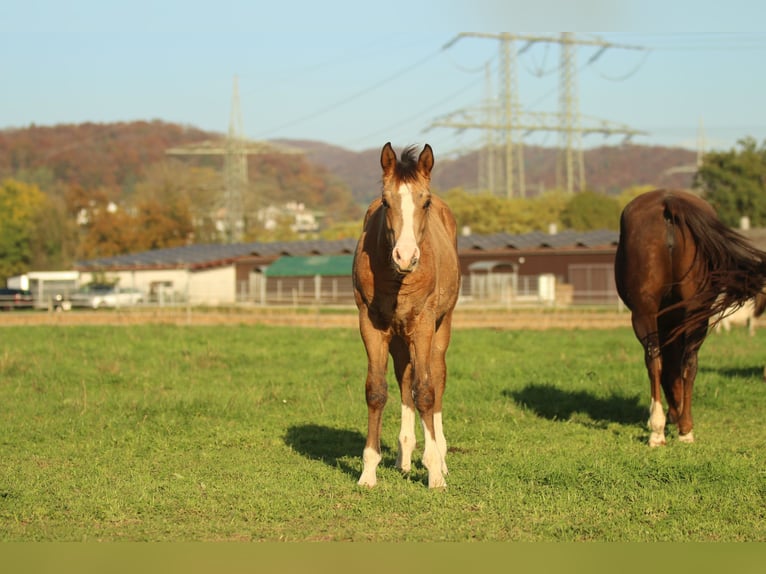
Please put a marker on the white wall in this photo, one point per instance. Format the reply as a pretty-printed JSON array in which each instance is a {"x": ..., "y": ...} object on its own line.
[
  {"x": 205, "y": 287},
  {"x": 213, "y": 286}
]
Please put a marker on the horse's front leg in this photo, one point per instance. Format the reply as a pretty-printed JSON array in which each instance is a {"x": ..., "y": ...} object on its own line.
[
  {"x": 376, "y": 392},
  {"x": 403, "y": 368},
  {"x": 424, "y": 396}
]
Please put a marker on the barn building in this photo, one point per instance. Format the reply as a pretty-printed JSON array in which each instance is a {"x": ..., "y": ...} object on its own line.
[{"x": 564, "y": 268}]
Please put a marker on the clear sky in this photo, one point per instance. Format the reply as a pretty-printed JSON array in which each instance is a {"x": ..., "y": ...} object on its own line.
[{"x": 358, "y": 73}]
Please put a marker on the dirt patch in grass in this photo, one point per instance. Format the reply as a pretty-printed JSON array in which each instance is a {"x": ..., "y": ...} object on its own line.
[{"x": 465, "y": 318}]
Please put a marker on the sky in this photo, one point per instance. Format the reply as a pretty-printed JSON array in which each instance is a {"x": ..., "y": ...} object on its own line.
[{"x": 357, "y": 74}]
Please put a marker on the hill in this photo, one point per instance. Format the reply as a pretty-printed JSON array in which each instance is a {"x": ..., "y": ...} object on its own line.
[
  {"x": 116, "y": 156},
  {"x": 608, "y": 169}
]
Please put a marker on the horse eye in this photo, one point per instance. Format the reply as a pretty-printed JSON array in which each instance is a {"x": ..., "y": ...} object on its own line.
[
  {"x": 384, "y": 201},
  {"x": 427, "y": 203}
]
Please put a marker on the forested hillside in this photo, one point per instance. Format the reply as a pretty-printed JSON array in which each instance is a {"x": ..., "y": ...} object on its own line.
[
  {"x": 90, "y": 190},
  {"x": 609, "y": 169}
]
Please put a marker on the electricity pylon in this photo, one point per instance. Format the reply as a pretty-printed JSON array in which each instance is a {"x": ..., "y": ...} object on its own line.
[
  {"x": 235, "y": 151},
  {"x": 568, "y": 122}
]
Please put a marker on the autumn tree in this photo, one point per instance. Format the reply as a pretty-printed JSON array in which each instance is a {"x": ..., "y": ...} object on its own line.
[
  {"x": 158, "y": 225},
  {"x": 176, "y": 203},
  {"x": 20, "y": 205},
  {"x": 108, "y": 232},
  {"x": 734, "y": 182}
]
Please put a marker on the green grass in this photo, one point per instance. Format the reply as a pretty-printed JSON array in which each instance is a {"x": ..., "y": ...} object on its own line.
[{"x": 166, "y": 433}]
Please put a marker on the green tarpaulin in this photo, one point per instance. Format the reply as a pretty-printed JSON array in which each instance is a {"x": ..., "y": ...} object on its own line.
[{"x": 323, "y": 265}]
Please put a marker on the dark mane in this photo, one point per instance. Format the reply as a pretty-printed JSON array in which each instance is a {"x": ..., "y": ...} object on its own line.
[{"x": 407, "y": 166}]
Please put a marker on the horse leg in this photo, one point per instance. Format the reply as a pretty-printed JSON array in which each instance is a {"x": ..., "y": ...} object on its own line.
[
  {"x": 439, "y": 378},
  {"x": 424, "y": 396},
  {"x": 646, "y": 332},
  {"x": 685, "y": 421},
  {"x": 376, "y": 393},
  {"x": 672, "y": 377},
  {"x": 403, "y": 369}
]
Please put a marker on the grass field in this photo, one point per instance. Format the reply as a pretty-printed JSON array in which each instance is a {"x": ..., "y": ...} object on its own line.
[{"x": 248, "y": 432}]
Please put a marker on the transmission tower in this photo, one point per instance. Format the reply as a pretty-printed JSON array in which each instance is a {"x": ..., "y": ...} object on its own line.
[
  {"x": 235, "y": 151},
  {"x": 569, "y": 109},
  {"x": 235, "y": 170},
  {"x": 487, "y": 170},
  {"x": 568, "y": 122}
]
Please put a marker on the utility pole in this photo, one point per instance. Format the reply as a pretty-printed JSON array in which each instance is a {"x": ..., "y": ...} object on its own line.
[
  {"x": 568, "y": 122},
  {"x": 235, "y": 151}
]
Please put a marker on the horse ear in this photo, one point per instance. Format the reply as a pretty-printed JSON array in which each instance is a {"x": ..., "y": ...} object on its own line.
[
  {"x": 387, "y": 158},
  {"x": 426, "y": 160}
]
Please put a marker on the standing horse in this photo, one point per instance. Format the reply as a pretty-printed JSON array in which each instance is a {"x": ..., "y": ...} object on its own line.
[
  {"x": 745, "y": 315},
  {"x": 677, "y": 266},
  {"x": 406, "y": 281}
]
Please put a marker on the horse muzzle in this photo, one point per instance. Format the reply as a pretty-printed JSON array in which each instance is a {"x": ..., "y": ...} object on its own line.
[
  {"x": 405, "y": 259},
  {"x": 406, "y": 269}
]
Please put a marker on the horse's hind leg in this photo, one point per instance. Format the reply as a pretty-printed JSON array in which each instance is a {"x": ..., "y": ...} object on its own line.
[
  {"x": 646, "y": 332},
  {"x": 424, "y": 396},
  {"x": 689, "y": 374},
  {"x": 439, "y": 378},
  {"x": 403, "y": 369}
]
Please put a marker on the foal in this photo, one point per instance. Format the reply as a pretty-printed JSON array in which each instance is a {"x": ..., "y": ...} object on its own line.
[{"x": 406, "y": 280}]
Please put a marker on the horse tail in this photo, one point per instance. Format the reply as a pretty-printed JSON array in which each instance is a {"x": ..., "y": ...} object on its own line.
[
  {"x": 759, "y": 304},
  {"x": 735, "y": 270}
]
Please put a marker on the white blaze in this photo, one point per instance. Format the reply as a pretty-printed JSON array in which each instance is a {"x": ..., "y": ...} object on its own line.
[{"x": 406, "y": 248}]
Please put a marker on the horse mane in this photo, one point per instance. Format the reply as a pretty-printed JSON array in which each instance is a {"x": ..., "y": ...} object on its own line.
[
  {"x": 406, "y": 169},
  {"x": 735, "y": 270}
]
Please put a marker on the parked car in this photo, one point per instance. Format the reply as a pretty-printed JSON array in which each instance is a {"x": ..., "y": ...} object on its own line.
[
  {"x": 16, "y": 299},
  {"x": 98, "y": 296}
]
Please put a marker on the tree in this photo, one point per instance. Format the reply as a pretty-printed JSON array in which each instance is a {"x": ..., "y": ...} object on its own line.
[
  {"x": 20, "y": 204},
  {"x": 629, "y": 194},
  {"x": 54, "y": 239},
  {"x": 161, "y": 225},
  {"x": 109, "y": 232},
  {"x": 485, "y": 213},
  {"x": 734, "y": 182},
  {"x": 588, "y": 211}
]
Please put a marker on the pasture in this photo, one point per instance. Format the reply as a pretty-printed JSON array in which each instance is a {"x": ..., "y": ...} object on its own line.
[{"x": 255, "y": 433}]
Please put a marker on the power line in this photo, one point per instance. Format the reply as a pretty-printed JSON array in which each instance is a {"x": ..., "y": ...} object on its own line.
[{"x": 351, "y": 98}]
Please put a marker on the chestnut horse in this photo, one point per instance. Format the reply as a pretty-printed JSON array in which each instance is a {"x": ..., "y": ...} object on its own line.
[
  {"x": 406, "y": 281},
  {"x": 677, "y": 266}
]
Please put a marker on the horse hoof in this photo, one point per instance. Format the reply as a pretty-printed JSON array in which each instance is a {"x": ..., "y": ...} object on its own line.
[
  {"x": 686, "y": 438},
  {"x": 437, "y": 482},
  {"x": 367, "y": 481},
  {"x": 656, "y": 440}
]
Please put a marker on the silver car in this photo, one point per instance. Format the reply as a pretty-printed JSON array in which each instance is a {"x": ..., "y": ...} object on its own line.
[{"x": 98, "y": 296}]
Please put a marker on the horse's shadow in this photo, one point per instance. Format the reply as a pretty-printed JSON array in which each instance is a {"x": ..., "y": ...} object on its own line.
[
  {"x": 758, "y": 373},
  {"x": 553, "y": 403},
  {"x": 332, "y": 446}
]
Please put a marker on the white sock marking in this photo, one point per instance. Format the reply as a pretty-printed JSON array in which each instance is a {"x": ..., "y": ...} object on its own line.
[
  {"x": 371, "y": 459},
  {"x": 407, "y": 439}
]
